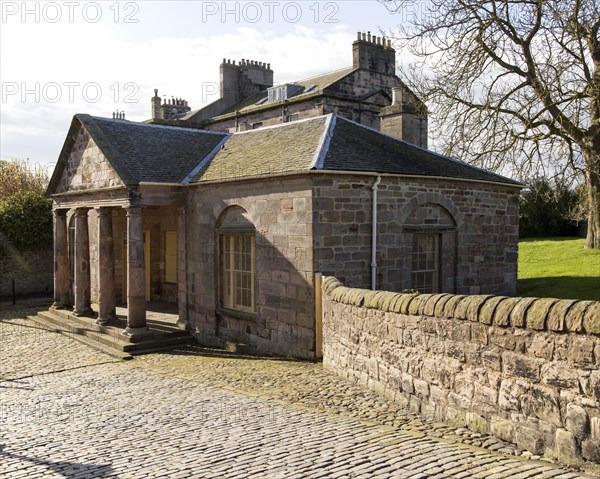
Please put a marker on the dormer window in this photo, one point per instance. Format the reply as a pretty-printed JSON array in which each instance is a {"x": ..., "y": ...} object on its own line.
[{"x": 282, "y": 92}]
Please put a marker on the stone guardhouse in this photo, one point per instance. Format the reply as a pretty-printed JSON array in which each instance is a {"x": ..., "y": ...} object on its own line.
[{"x": 231, "y": 228}]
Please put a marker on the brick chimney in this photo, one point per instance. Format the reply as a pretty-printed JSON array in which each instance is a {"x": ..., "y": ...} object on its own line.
[{"x": 373, "y": 53}]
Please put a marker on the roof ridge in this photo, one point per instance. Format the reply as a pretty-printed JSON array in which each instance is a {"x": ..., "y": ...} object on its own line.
[
  {"x": 282, "y": 125},
  {"x": 188, "y": 178},
  {"x": 350, "y": 69},
  {"x": 156, "y": 125},
  {"x": 324, "y": 142}
]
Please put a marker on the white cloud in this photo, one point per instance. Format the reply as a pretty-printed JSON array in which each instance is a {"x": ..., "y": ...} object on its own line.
[{"x": 49, "y": 72}]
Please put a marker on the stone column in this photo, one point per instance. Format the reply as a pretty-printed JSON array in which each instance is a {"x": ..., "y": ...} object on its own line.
[
  {"x": 182, "y": 322},
  {"x": 82, "y": 264},
  {"x": 61, "y": 261},
  {"x": 106, "y": 260},
  {"x": 136, "y": 274}
]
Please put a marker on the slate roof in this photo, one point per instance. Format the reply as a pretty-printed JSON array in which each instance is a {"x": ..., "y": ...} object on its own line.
[
  {"x": 281, "y": 149},
  {"x": 141, "y": 152},
  {"x": 354, "y": 147},
  {"x": 331, "y": 143}
]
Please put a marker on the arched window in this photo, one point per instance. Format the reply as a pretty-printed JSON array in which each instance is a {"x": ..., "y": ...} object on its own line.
[
  {"x": 433, "y": 244},
  {"x": 237, "y": 261}
]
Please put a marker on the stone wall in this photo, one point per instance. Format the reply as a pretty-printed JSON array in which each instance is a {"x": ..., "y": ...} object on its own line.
[
  {"x": 87, "y": 167},
  {"x": 32, "y": 270},
  {"x": 523, "y": 369},
  {"x": 477, "y": 224},
  {"x": 280, "y": 211}
]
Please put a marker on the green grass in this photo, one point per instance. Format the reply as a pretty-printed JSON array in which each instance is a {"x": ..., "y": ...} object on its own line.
[{"x": 558, "y": 268}]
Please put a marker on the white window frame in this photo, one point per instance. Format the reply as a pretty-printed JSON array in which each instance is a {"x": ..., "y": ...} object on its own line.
[{"x": 238, "y": 271}]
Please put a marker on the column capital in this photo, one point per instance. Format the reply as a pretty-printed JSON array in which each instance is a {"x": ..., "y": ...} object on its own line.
[
  {"x": 60, "y": 212},
  {"x": 133, "y": 210},
  {"x": 103, "y": 210},
  {"x": 82, "y": 211}
]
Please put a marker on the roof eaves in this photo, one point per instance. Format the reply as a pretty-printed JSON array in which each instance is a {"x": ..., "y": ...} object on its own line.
[{"x": 323, "y": 147}]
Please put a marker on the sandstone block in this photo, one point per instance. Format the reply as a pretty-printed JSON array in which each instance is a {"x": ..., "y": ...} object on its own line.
[
  {"x": 519, "y": 312},
  {"x": 479, "y": 334},
  {"x": 404, "y": 302},
  {"x": 591, "y": 318},
  {"x": 580, "y": 351},
  {"x": 577, "y": 421},
  {"x": 541, "y": 346},
  {"x": 441, "y": 304},
  {"x": 421, "y": 387},
  {"x": 429, "y": 307},
  {"x": 590, "y": 450},
  {"x": 503, "y": 429},
  {"x": 407, "y": 383},
  {"x": 538, "y": 313},
  {"x": 492, "y": 359},
  {"x": 476, "y": 422},
  {"x": 558, "y": 313},
  {"x": 520, "y": 365},
  {"x": 529, "y": 439},
  {"x": 574, "y": 318},
  {"x": 567, "y": 450},
  {"x": 544, "y": 403},
  {"x": 475, "y": 306},
  {"x": 416, "y": 305},
  {"x": 503, "y": 310},
  {"x": 560, "y": 376},
  {"x": 486, "y": 312},
  {"x": 451, "y": 304}
]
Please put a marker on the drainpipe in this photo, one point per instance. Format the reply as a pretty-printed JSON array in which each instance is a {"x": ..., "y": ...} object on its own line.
[{"x": 374, "y": 236}]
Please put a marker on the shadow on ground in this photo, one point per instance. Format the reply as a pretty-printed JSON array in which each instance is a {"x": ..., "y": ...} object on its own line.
[
  {"x": 64, "y": 468},
  {"x": 562, "y": 287}
]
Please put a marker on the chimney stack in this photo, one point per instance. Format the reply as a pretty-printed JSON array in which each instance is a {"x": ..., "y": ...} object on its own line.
[{"x": 373, "y": 53}]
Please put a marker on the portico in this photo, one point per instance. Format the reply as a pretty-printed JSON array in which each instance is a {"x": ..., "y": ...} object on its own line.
[{"x": 80, "y": 296}]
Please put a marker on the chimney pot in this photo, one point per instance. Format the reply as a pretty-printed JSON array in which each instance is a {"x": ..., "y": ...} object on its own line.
[{"x": 396, "y": 95}]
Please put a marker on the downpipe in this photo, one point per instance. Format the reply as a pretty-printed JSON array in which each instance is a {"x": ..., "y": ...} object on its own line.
[{"x": 374, "y": 235}]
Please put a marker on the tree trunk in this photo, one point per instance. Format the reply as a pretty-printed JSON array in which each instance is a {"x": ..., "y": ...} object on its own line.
[{"x": 592, "y": 183}]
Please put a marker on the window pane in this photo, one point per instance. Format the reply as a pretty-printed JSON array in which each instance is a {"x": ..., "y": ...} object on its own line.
[
  {"x": 425, "y": 263},
  {"x": 238, "y": 274}
]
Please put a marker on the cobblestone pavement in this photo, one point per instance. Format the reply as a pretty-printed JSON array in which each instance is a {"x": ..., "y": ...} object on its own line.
[{"x": 69, "y": 411}]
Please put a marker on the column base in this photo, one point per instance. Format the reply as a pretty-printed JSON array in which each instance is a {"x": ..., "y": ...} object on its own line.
[
  {"x": 136, "y": 333},
  {"x": 83, "y": 312},
  {"x": 105, "y": 321},
  {"x": 56, "y": 305},
  {"x": 183, "y": 325}
]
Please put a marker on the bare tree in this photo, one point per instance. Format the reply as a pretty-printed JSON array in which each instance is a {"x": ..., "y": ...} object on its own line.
[{"x": 511, "y": 84}]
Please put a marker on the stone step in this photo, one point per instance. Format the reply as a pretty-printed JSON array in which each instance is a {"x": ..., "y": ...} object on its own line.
[
  {"x": 69, "y": 331},
  {"x": 161, "y": 336}
]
